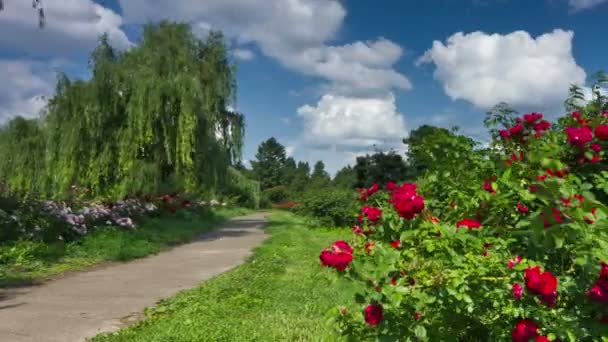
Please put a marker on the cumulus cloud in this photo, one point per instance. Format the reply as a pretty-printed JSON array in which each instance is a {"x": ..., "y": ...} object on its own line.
[
  {"x": 579, "y": 5},
  {"x": 72, "y": 28},
  {"x": 243, "y": 54},
  {"x": 352, "y": 123},
  {"x": 28, "y": 85},
  {"x": 484, "y": 69},
  {"x": 294, "y": 32}
]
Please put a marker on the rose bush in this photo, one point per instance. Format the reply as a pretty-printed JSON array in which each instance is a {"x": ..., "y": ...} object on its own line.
[{"x": 530, "y": 265}]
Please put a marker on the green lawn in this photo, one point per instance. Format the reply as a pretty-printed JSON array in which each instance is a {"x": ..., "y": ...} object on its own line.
[
  {"x": 29, "y": 262},
  {"x": 280, "y": 294}
]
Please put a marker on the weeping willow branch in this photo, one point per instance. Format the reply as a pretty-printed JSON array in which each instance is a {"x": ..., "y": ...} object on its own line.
[{"x": 151, "y": 117}]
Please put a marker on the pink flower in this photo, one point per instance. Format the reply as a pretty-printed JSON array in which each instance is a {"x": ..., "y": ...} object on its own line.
[{"x": 518, "y": 291}]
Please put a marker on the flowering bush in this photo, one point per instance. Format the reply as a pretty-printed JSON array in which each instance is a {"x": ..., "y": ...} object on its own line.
[{"x": 530, "y": 265}]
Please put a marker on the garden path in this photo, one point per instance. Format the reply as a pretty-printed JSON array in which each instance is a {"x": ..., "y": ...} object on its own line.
[{"x": 82, "y": 305}]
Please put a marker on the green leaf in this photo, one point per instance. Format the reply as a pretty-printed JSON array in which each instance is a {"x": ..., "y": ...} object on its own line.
[{"x": 420, "y": 331}]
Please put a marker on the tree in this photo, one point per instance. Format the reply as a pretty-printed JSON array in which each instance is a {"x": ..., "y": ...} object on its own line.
[
  {"x": 269, "y": 163},
  {"x": 301, "y": 179},
  {"x": 319, "y": 176},
  {"x": 345, "y": 178},
  {"x": 152, "y": 116},
  {"x": 500, "y": 115},
  {"x": 379, "y": 168},
  {"x": 429, "y": 146}
]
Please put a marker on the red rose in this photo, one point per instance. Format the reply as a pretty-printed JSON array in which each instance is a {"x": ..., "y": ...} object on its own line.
[
  {"x": 513, "y": 262},
  {"x": 373, "y": 314},
  {"x": 396, "y": 244},
  {"x": 407, "y": 202},
  {"x": 391, "y": 186},
  {"x": 417, "y": 316},
  {"x": 540, "y": 283},
  {"x": 469, "y": 223},
  {"x": 522, "y": 208},
  {"x": 542, "y": 339},
  {"x": 504, "y": 133},
  {"x": 518, "y": 291},
  {"x": 342, "y": 246},
  {"x": 579, "y": 136},
  {"x": 488, "y": 187},
  {"x": 372, "y": 214},
  {"x": 515, "y": 130},
  {"x": 186, "y": 204},
  {"x": 599, "y": 291},
  {"x": 595, "y": 147},
  {"x": 524, "y": 330},
  {"x": 601, "y": 132}
]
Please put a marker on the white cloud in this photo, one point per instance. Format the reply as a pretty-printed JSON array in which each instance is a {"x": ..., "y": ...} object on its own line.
[
  {"x": 528, "y": 73},
  {"x": 27, "y": 86},
  {"x": 352, "y": 124},
  {"x": 72, "y": 28},
  {"x": 294, "y": 32},
  {"x": 578, "y": 5},
  {"x": 243, "y": 54}
]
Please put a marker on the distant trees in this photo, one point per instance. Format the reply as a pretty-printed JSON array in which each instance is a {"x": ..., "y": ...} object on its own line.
[{"x": 380, "y": 167}]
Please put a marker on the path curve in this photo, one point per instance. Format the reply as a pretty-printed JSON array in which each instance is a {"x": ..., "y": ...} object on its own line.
[{"x": 85, "y": 304}]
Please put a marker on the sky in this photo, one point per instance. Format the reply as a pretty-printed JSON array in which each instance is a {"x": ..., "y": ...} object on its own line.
[{"x": 332, "y": 79}]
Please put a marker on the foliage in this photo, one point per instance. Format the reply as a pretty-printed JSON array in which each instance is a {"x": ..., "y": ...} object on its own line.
[
  {"x": 276, "y": 296},
  {"x": 246, "y": 192},
  {"x": 345, "y": 178},
  {"x": 331, "y": 207},
  {"x": 277, "y": 194},
  {"x": 152, "y": 114},
  {"x": 460, "y": 262},
  {"x": 379, "y": 168}
]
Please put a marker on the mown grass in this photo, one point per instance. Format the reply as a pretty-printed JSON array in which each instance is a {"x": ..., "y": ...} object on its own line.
[
  {"x": 26, "y": 262},
  {"x": 280, "y": 294}
]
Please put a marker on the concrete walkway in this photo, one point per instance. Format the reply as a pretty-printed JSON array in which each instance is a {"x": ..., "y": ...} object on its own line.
[{"x": 82, "y": 305}]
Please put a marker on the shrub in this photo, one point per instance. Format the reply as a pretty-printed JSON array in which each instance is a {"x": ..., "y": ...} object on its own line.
[
  {"x": 245, "y": 191},
  {"x": 276, "y": 194},
  {"x": 517, "y": 251},
  {"x": 331, "y": 207}
]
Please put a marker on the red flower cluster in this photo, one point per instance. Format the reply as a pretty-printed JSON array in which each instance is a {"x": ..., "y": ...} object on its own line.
[
  {"x": 373, "y": 214},
  {"x": 540, "y": 283},
  {"x": 406, "y": 201},
  {"x": 599, "y": 291},
  {"x": 373, "y": 314},
  {"x": 527, "y": 123},
  {"x": 339, "y": 256},
  {"x": 365, "y": 193},
  {"x": 469, "y": 223},
  {"x": 525, "y": 330},
  {"x": 514, "y": 158}
]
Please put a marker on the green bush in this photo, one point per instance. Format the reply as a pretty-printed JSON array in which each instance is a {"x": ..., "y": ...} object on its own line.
[
  {"x": 331, "y": 207},
  {"x": 245, "y": 191},
  {"x": 277, "y": 194}
]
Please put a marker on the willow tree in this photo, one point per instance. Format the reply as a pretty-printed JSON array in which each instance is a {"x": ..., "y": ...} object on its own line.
[{"x": 150, "y": 116}]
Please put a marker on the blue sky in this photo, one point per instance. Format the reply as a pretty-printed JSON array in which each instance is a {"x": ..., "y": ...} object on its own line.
[{"x": 332, "y": 79}]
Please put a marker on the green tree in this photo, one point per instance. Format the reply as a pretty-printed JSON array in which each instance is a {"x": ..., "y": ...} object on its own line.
[
  {"x": 380, "y": 168},
  {"x": 429, "y": 146},
  {"x": 345, "y": 178},
  {"x": 269, "y": 163},
  {"x": 301, "y": 179},
  {"x": 319, "y": 176}
]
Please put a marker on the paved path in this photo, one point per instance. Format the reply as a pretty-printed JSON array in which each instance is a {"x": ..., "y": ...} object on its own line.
[{"x": 82, "y": 305}]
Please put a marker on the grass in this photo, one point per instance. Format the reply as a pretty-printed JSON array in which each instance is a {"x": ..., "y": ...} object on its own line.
[
  {"x": 25, "y": 262},
  {"x": 280, "y": 294}
]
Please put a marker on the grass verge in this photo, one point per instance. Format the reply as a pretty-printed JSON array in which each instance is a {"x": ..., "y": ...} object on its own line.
[
  {"x": 280, "y": 294},
  {"x": 27, "y": 262}
]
